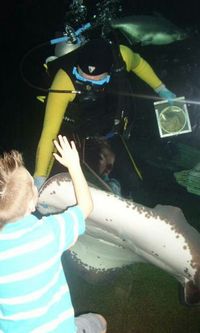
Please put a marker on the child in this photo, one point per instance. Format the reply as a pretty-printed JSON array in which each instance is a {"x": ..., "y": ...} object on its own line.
[{"x": 34, "y": 295}]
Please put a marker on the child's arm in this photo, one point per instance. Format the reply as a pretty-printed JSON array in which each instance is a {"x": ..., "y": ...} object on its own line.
[{"x": 70, "y": 159}]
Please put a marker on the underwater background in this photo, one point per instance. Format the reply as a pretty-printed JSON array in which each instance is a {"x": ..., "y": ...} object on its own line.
[{"x": 140, "y": 298}]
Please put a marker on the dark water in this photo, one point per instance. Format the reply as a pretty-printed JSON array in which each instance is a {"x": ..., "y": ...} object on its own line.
[{"x": 26, "y": 24}]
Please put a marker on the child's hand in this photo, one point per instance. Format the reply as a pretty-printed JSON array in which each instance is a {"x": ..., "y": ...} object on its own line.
[{"x": 69, "y": 156}]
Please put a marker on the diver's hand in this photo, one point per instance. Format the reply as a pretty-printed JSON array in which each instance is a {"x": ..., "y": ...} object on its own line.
[
  {"x": 69, "y": 156},
  {"x": 165, "y": 93}
]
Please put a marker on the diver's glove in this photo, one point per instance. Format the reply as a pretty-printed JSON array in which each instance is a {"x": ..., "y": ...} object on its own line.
[
  {"x": 39, "y": 181},
  {"x": 165, "y": 93},
  {"x": 113, "y": 184}
]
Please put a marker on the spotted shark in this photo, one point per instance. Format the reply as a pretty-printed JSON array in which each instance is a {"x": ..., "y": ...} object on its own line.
[
  {"x": 147, "y": 29},
  {"x": 120, "y": 232}
]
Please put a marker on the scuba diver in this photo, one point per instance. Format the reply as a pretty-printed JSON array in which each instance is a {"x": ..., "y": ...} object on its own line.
[{"x": 91, "y": 72}]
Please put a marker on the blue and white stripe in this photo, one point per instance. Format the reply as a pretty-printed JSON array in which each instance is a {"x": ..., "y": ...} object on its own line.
[{"x": 34, "y": 295}]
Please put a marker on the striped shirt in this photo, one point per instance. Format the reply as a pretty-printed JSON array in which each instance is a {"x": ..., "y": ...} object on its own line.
[{"x": 34, "y": 295}]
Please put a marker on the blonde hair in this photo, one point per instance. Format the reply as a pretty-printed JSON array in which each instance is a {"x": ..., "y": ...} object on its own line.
[{"x": 15, "y": 187}]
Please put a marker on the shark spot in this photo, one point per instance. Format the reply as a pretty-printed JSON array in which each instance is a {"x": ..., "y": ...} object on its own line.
[
  {"x": 155, "y": 254},
  {"x": 187, "y": 273},
  {"x": 53, "y": 192},
  {"x": 108, "y": 220},
  {"x": 184, "y": 247}
]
